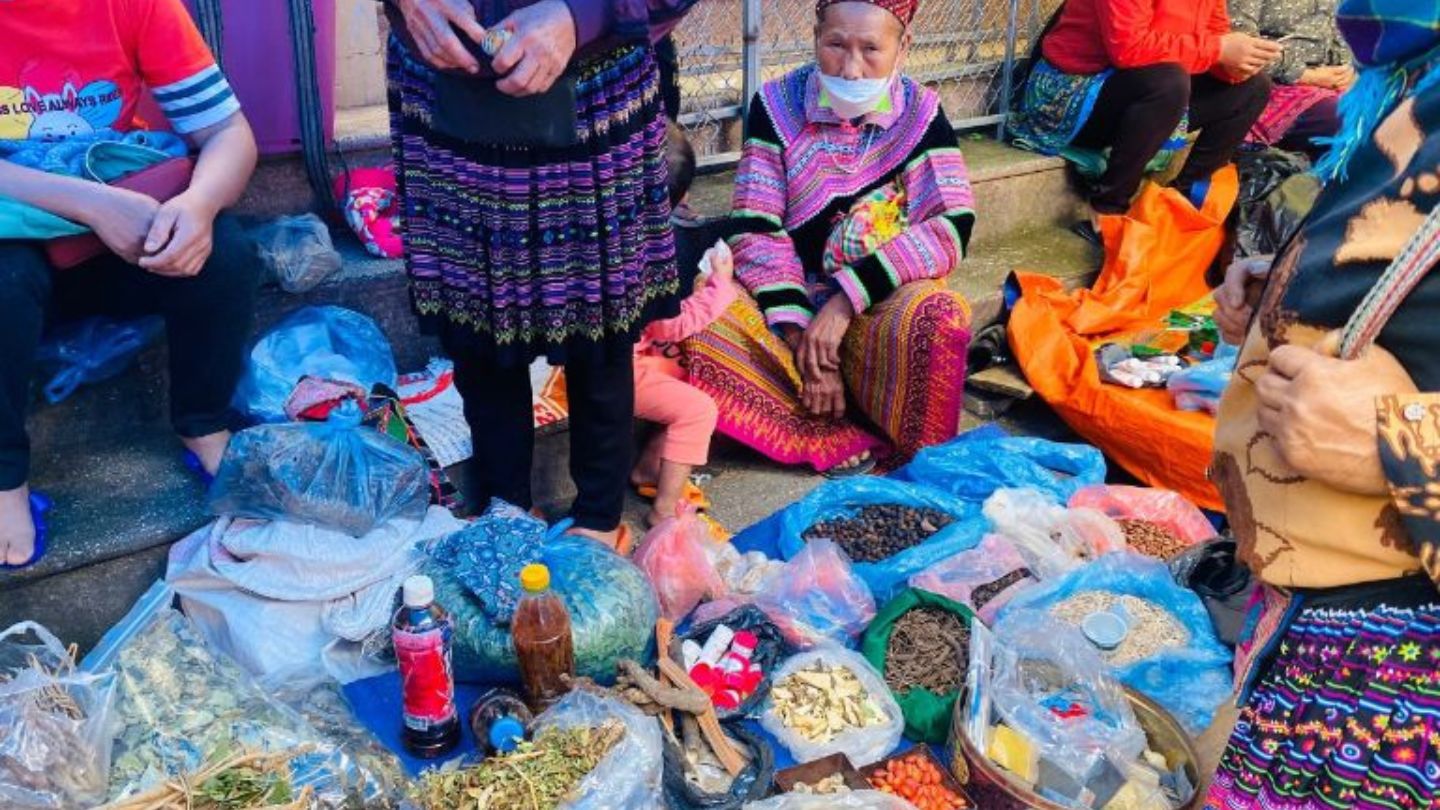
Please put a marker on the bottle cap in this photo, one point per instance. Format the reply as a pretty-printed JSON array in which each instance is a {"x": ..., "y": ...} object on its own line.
[
  {"x": 419, "y": 591},
  {"x": 534, "y": 578},
  {"x": 506, "y": 734}
]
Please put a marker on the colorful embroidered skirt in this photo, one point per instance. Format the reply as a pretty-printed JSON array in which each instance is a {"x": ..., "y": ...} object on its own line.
[
  {"x": 1287, "y": 103},
  {"x": 520, "y": 252},
  {"x": 1346, "y": 716},
  {"x": 904, "y": 369}
]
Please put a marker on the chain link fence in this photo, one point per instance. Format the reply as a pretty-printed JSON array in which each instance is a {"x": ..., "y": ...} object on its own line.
[{"x": 966, "y": 49}]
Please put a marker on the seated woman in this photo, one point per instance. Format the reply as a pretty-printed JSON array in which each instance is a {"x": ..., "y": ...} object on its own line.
[
  {"x": 1316, "y": 68},
  {"x": 855, "y": 203},
  {"x": 72, "y": 73},
  {"x": 1132, "y": 77}
]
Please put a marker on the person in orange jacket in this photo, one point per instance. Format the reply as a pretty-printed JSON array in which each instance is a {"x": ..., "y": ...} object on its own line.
[{"x": 1132, "y": 77}]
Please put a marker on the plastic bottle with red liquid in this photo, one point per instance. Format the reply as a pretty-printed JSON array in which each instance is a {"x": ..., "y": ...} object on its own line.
[
  {"x": 422, "y": 634},
  {"x": 543, "y": 642}
]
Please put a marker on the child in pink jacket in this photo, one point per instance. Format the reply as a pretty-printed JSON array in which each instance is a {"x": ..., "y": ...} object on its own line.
[{"x": 686, "y": 414}]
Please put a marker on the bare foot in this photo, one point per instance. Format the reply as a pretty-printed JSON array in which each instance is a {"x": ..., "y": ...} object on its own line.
[
  {"x": 209, "y": 449},
  {"x": 17, "y": 529},
  {"x": 853, "y": 462}
]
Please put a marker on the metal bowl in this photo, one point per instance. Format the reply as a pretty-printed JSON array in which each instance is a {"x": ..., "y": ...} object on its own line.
[{"x": 994, "y": 789}]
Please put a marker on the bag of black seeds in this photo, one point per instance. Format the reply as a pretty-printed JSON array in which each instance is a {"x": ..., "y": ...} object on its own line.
[
  {"x": 920, "y": 642},
  {"x": 771, "y": 648},
  {"x": 685, "y": 782},
  {"x": 892, "y": 530}
]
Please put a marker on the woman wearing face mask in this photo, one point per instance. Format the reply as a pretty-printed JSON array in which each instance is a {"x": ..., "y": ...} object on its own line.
[{"x": 854, "y": 204}]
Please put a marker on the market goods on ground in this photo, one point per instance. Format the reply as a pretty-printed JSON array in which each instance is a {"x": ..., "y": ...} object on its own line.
[{"x": 879, "y": 531}]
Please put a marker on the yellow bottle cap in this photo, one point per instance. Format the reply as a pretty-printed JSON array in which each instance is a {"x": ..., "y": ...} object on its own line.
[{"x": 534, "y": 578}]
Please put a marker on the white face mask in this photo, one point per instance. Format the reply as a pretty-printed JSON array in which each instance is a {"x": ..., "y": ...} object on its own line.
[{"x": 852, "y": 98}]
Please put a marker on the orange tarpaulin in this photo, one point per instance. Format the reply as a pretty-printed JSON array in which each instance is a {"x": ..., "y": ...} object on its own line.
[{"x": 1156, "y": 258}]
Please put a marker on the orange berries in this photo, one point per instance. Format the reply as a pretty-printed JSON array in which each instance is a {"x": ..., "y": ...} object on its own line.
[{"x": 917, "y": 779}]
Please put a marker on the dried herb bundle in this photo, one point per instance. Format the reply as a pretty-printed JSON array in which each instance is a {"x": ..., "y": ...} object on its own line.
[
  {"x": 239, "y": 781},
  {"x": 928, "y": 648},
  {"x": 539, "y": 775}
]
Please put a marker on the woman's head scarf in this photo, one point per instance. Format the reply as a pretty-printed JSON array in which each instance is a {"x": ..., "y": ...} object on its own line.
[
  {"x": 1396, "y": 43},
  {"x": 902, "y": 9}
]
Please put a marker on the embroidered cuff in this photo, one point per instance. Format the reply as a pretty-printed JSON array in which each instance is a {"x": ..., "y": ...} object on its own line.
[
  {"x": 868, "y": 281},
  {"x": 1409, "y": 431},
  {"x": 785, "y": 303}
]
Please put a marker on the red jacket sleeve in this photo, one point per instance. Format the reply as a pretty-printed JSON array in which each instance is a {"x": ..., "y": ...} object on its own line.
[{"x": 1127, "y": 26}]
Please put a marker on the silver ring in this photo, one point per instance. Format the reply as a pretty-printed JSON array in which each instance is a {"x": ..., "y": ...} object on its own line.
[{"x": 495, "y": 39}]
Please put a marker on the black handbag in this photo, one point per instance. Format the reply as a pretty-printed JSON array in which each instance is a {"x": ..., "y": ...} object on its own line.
[{"x": 473, "y": 109}]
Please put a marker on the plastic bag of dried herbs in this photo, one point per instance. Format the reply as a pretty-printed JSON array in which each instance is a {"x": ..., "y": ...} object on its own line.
[
  {"x": 920, "y": 643},
  {"x": 180, "y": 702},
  {"x": 335, "y": 474},
  {"x": 831, "y": 701},
  {"x": 56, "y": 724},
  {"x": 684, "y": 789}
]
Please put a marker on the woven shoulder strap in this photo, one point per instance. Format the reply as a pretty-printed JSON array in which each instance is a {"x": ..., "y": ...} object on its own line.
[{"x": 1416, "y": 260}]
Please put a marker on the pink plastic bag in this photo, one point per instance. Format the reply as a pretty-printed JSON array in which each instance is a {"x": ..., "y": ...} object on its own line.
[
  {"x": 994, "y": 568},
  {"x": 1159, "y": 506},
  {"x": 673, "y": 557},
  {"x": 818, "y": 596}
]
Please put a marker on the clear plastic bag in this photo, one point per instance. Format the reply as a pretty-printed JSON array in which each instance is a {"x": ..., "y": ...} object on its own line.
[
  {"x": 335, "y": 474},
  {"x": 1162, "y": 507},
  {"x": 854, "y": 800},
  {"x": 56, "y": 726},
  {"x": 818, "y": 596},
  {"x": 631, "y": 775},
  {"x": 330, "y": 343},
  {"x": 92, "y": 350},
  {"x": 984, "y": 578},
  {"x": 1039, "y": 663},
  {"x": 297, "y": 251},
  {"x": 974, "y": 468},
  {"x": 179, "y": 703},
  {"x": 1190, "y": 679},
  {"x": 863, "y": 746},
  {"x": 612, "y": 613},
  {"x": 1051, "y": 538},
  {"x": 673, "y": 557},
  {"x": 848, "y": 496},
  {"x": 1199, "y": 387}
]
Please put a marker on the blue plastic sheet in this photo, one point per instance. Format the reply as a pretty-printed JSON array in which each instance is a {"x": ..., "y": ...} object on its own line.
[
  {"x": 92, "y": 350},
  {"x": 1190, "y": 681},
  {"x": 847, "y": 496},
  {"x": 973, "y": 469},
  {"x": 331, "y": 343}
]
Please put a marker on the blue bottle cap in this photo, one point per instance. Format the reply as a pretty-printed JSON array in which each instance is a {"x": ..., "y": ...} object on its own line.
[{"x": 506, "y": 733}]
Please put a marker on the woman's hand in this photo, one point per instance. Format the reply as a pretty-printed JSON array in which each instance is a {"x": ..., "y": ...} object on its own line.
[
  {"x": 539, "y": 49},
  {"x": 430, "y": 24},
  {"x": 820, "y": 348},
  {"x": 1339, "y": 77},
  {"x": 1236, "y": 299},
  {"x": 1244, "y": 56},
  {"x": 181, "y": 237},
  {"x": 1321, "y": 413},
  {"x": 122, "y": 219},
  {"x": 824, "y": 394}
]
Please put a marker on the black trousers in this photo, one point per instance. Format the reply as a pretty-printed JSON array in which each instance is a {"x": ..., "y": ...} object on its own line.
[
  {"x": 498, "y": 407},
  {"x": 207, "y": 320},
  {"x": 1138, "y": 109}
]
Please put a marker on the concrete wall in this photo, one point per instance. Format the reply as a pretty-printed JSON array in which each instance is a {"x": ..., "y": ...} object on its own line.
[{"x": 360, "y": 63}]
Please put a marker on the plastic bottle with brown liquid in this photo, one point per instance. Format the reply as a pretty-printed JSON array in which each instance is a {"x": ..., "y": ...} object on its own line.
[{"x": 543, "y": 642}]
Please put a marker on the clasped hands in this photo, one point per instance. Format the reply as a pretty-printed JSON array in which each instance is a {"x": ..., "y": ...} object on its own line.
[
  {"x": 817, "y": 356},
  {"x": 541, "y": 41}
]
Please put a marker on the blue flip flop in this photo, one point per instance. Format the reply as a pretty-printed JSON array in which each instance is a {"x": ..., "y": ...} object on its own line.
[
  {"x": 39, "y": 505},
  {"x": 192, "y": 463}
]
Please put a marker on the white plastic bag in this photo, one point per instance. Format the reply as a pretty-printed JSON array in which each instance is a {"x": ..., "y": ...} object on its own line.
[
  {"x": 862, "y": 745},
  {"x": 629, "y": 777},
  {"x": 854, "y": 800},
  {"x": 1051, "y": 538},
  {"x": 51, "y": 756},
  {"x": 818, "y": 597}
]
